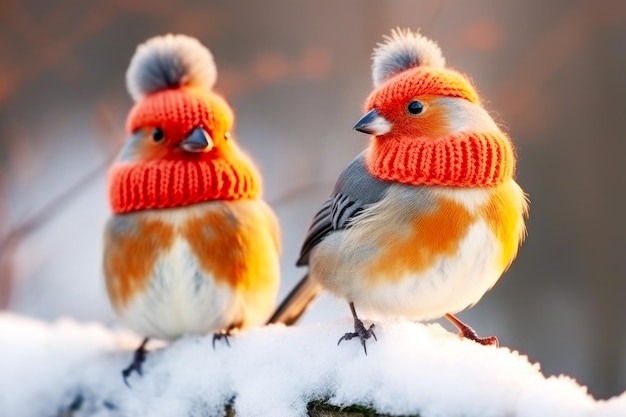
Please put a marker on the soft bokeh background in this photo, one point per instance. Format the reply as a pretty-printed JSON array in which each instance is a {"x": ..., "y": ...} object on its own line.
[{"x": 553, "y": 72}]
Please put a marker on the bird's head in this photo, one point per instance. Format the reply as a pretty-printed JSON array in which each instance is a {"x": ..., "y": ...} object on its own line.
[
  {"x": 416, "y": 97},
  {"x": 180, "y": 149},
  {"x": 427, "y": 122},
  {"x": 177, "y": 115}
]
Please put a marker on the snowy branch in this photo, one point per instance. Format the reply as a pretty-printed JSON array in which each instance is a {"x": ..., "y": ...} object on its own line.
[{"x": 71, "y": 369}]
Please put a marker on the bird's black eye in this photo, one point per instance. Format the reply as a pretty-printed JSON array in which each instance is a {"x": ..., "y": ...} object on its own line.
[
  {"x": 415, "y": 107},
  {"x": 226, "y": 135},
  {"x": 157, "y": 134}
]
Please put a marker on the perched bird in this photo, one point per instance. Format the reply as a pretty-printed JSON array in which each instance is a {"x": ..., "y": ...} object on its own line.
[
  {"x": 424, "y": 221},
  {"x": 191, "y": 248}
]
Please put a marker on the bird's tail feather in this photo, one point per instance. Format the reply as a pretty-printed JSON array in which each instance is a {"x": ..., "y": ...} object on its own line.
[{"x": 296, "y": 302}]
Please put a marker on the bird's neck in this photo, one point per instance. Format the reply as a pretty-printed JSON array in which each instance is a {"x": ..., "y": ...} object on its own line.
[
  {"x": 175, "y": 183},
  {"x": 466, "y": 159}
]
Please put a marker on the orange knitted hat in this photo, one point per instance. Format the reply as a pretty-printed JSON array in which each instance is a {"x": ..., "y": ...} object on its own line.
[
  {"x": 423, "y": 81},
  {"x": 178, "y": 110},
  {"x": 170, "y": 78},
  {"x": 406, "y": 66}
]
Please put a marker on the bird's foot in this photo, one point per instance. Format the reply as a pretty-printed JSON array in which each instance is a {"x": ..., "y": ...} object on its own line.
[
  {"x": 138, "y": 360},
  {"x": 223, "y": 334},
  {"x": 469, "y": 333},
  {"x": 361, "y": 332}
]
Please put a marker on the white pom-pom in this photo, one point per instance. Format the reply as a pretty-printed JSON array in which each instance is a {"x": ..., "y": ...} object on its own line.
[
  {"x": 167, "y": 62},
  {"x": 403, "y": 50}
]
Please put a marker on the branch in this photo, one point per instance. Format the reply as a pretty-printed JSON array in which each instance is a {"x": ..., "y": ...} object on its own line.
[{"x": 15, "y": 235}]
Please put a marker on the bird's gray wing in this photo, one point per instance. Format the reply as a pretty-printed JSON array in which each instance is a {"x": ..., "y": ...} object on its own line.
[{"x": 355, "y": 190}]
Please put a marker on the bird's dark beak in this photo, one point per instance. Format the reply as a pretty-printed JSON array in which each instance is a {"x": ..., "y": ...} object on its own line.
[
  {"x": 373, "y": 124},
  {"x": 197, "y": 141}
]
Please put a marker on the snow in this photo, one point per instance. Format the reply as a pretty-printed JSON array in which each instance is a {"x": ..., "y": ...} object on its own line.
[{"x": 46, "y": 369}]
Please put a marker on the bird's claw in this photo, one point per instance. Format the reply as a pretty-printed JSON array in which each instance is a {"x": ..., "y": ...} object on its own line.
[
  {"x": 135, "y": 365},
  {"x": 488, "y": 341},
  {"x": 126, "y": 372},
  {"x": 361, "y": 332},
  {"x": 470, "y": 334},
  {"x": 224, "y": 334}
]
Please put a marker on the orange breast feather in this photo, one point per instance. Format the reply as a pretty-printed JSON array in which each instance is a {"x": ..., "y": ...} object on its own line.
[
  {"x": 233, "y": 246},
  {"x": 430, "y": 235},
  {"x": 132, "y": 246},
  {"x": 439, "y": 232},
  {"x": 504, "y": 214}
]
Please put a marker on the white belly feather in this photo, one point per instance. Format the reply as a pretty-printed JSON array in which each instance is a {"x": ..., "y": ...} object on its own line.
[
  {"x": 452, "y": 283},
  {"x": 449, "y": 286},
  {"x": 181, "y": 299}
]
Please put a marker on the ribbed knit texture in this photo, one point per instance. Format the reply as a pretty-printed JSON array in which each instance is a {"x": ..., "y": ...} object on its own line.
[
  {"x": 423, "y": 81},
  {"x": 463, "y": 160},
  {"x": 172, "y": 183}
]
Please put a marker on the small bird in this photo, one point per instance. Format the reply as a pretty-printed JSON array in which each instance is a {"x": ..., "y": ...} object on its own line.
[
  {"x": 191, "y": 247},
  {"x": 424, "y": 221}
]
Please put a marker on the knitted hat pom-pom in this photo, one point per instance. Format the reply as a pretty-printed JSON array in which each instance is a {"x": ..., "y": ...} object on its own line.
[
  {"x": 169, "y": 61},
  {"x": 401, "y": 51}
]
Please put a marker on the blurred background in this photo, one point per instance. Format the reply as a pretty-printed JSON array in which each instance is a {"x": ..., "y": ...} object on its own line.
[{"x": 296, "y": 73}]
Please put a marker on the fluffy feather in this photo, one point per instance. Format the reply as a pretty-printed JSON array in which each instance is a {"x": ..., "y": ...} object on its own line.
[
  {"x": 167, "y": 62},
  {"x": 402, "y": 50}
]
